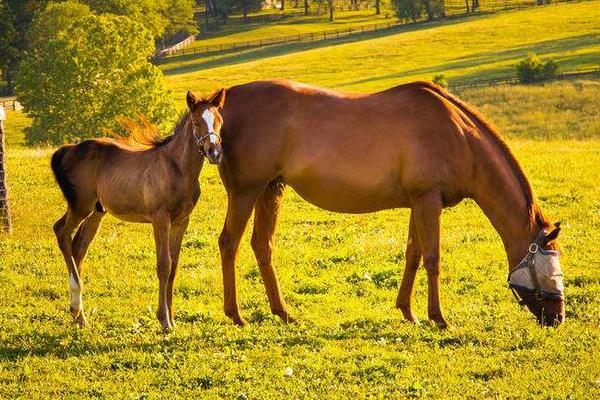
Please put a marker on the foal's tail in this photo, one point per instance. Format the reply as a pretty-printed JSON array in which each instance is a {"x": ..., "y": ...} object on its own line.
[{"x": 60, "y": 174}]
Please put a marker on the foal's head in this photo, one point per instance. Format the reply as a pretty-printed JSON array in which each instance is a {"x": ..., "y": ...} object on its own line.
[
  {"x": 206, "y": 124},
  {"x": 538, "y": 279}
]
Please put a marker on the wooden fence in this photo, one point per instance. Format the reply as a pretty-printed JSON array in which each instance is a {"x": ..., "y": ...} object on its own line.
[
  {"x": 11, "y": 105},
  {"x": 5, "y": 220},
  {"x": 454, "y": 8},
  {"x": 514, "y": 80}
]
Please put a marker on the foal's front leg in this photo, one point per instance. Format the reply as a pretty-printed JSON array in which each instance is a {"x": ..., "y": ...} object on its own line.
[
  {"x": 177, "y": 232},
  {"x": 162, "y": 231}
]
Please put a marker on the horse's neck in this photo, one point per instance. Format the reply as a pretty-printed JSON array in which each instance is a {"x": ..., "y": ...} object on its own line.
[
  {"x": 182, "y": 150},
  {"x": 498, "y": 192}
]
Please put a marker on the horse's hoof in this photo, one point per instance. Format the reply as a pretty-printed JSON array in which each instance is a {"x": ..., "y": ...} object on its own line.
[
  {"x": 407, "y": 313},
  {"x": 440, "y": 322},
  {"x": 285, "y": 316},
  {"x": 239, "y": 321}
]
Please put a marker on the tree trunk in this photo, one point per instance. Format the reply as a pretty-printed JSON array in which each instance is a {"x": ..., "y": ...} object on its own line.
[
  {"x": 305, "y": 7},
  {"x": 377, "y": 7},
  {"x": 467, "y": 5},
  {"x": 475, "y": 5},
  {"x": 331, "y": 10},
  {"x": 429, "y": 10},
  {"x": 282, "y": 5}
]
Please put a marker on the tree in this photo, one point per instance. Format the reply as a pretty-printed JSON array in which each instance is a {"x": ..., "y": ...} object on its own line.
[
  {"x": 15, "y": 18},
  {"x": 180, "y": 16},
  {"x": 93, "y": 71},
  {"x": 414, "y": 10},
  {"x": 377, "y": 7},
  {"x": 149, "y": 13},
  {"x": 331, "y": 5}
]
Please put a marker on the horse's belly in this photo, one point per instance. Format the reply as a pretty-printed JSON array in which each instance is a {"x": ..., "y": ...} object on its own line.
[{"x": 350, "y": 197}]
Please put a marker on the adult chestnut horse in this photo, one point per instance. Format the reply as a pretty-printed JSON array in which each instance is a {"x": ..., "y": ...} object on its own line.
[
  {"x": 141, "y": 178},
  {"x": 412, "y": 146}
]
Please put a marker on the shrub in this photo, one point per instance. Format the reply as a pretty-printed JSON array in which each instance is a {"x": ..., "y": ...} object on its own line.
[
  {"x": 440, "y": 79},
  {"x": 532, "y": 69}
]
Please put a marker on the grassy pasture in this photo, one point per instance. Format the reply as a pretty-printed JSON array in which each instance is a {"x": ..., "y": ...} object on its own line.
[
  {"x": 339, "y": 274},
  {"x": 464, "y": 49}
]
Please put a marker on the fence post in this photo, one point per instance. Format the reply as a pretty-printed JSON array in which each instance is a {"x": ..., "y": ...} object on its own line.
[{"x": 5, "y": 220}]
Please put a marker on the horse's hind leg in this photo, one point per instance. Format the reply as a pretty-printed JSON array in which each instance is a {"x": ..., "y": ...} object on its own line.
[
  {"x": 427, "y": 212},
  {"x": 63, "y": 228},
  {"x": 177, "y": 232},
  {"x": 265, "y": 219},
  {"x": 413, "y": 257},
  {"x": 84, "y": 236}
]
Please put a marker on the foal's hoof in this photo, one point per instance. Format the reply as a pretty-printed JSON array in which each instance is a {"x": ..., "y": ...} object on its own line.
[
  {"x": 79, "y": 317},
  {"x": 166, "y": 326},
  {"x": 285, "y": 316}
]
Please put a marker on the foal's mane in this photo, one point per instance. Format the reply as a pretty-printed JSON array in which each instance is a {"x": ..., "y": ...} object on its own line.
[
  {"x": 533, "y": 209},
  {"x": 143, "y": 135}
]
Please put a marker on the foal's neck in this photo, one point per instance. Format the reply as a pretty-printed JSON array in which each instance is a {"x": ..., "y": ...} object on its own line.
[
  {"x": 183, "y": 150},
  {"x": 499, "y": 193}
]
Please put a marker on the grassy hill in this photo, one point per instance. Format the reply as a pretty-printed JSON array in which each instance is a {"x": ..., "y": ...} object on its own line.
[{"x": 461, "y": 49}]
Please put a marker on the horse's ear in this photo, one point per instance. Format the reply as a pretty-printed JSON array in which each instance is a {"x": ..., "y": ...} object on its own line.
[
  {"x": 191, "y": 100},
  {"x": 552, "y": 235},
  {"x": 218, "y": 99}
]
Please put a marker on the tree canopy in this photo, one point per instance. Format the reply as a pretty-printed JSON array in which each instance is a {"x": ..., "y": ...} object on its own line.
[{"x": 82, "y": 75}]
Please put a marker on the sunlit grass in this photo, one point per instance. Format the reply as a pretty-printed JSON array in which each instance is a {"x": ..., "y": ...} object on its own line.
[
  {"x": 350, "y": 341},
  {"x": 475, "y": 48}
]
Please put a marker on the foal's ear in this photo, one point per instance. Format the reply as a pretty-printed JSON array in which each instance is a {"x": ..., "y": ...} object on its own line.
[
  {"x": 191, "y": 100},
  {"x": 218, "y": 99},
  {"x": 552, "y": 235}
]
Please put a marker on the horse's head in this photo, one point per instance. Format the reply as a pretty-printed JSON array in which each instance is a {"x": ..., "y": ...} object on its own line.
[
  {"x": 538, "y": 280},
  {"x": 206, "y": 124}
]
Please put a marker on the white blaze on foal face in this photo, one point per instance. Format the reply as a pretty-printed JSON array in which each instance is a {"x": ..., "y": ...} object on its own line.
[{"x": 209, "y": 118}]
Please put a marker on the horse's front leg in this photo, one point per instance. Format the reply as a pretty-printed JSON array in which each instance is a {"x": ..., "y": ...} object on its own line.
[
  {"x": 413, "y": 257},
  {"x": 161, "y": 227},
  {"x": 427, "y": 211},
  {"x": 265, "y": 220},
  {"x": 239, "y": 209}
]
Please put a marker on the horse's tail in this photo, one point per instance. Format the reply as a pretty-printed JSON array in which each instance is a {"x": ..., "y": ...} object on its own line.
[{"x": 66, "y": 186}]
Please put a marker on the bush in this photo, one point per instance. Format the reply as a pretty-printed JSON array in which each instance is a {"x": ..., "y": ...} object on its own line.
[
  {"x": 87, "y": 74},
  {"x": 414, "y": 10},
  {"x": 440, "y": 80},
  {"x": 532, "y": 69}
]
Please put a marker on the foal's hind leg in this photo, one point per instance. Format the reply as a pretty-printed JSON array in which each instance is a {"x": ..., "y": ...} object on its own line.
[
  {"x": 265, "y": 219},
  {"x": 63, "y": 228},
  {"x": 84, "y": 236},
  {"x": 413, "y": 257},
  {"x": 427, "y": 211},
  {"x": 177, "y": 232}
]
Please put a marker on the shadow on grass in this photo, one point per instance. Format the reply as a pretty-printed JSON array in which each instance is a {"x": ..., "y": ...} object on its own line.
[
  {"x": 480, "y": 59},
  {"x": 206, "y": 61}
]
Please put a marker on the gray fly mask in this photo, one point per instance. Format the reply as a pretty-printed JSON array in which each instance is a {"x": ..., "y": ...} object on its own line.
[{"x": 538, "y": 272}]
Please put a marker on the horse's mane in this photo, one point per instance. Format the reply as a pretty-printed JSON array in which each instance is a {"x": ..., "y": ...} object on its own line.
[
  {"x": 143, "y": 135},
  {"x": 533, "y": 209}
]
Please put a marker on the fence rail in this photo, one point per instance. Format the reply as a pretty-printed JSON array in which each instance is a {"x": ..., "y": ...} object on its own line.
[
  {"x": 514, "y": 80},
  {"x": 11, "y": 105},
  {"x": 454, "y": 8}
]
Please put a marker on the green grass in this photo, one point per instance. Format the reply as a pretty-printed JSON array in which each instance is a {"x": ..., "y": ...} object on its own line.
[
  {"x": 465, "y": 49},
  {"x": 238, "y": 31},
  {"x": 350, "y": 342}
]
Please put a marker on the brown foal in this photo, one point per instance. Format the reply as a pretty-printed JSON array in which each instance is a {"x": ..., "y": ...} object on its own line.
[
  {"x": 412, "y": 146},
  {"x": 154, "y": 181}
]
